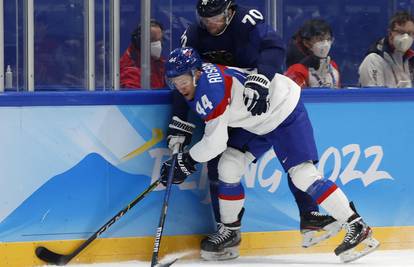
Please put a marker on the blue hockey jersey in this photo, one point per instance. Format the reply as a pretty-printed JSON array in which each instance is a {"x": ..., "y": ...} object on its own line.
[{"x": 247, "y": 42}]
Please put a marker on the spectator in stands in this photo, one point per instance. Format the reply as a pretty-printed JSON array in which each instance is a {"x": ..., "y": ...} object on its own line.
[
  {"x": 389, "y": 62},
  {"x": 130, "y": 63},
  {"x": 308, "y": 60}
]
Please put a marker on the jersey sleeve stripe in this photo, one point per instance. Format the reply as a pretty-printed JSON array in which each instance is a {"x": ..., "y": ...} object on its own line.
[{"x": 221, "y": 107}]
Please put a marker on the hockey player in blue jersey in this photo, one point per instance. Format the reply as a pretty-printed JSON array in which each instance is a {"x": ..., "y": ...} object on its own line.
[
  {"x": 232, "y": 35},
  {"x": 215, "y": 93}
]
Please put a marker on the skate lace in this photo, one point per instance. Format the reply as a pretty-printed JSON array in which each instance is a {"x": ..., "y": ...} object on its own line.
[
  {"x": 350, "y": 231},
  {"x": 316, "y": 213},
  {"x": 221, "y": 235},
  {"x": 219, "y": 226}
]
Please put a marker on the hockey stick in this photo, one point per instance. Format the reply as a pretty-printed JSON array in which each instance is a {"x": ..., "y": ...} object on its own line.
[
  {"x": 160, "y": 229},
  {"x": 49, "y": 256}
]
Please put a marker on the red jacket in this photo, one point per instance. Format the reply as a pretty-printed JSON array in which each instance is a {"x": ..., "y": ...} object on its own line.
[
  {"x": 130, "y": 70},
  {"x": 307, "y": 77},
  {"x": 308, "y": 70}
]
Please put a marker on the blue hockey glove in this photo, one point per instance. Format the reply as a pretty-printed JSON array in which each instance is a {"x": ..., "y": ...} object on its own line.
[
  {"x": 185, "y": 166},
  {"x": 256, "y": 94},
  {"x": 179, "y": 131}
]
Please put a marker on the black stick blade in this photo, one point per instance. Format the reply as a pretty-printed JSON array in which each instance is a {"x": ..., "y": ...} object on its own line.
[{"x": 49, "y": 256}]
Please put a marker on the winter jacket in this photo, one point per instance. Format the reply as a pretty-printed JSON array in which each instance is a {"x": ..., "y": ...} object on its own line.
[
  {"x": 307, "y": 70},
  {"x": 130, "y": 70},
  {"x": 385, "y": 67}
]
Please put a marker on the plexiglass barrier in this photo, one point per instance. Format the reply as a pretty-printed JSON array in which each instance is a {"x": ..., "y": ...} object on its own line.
[{"x": 59, "y": 33}]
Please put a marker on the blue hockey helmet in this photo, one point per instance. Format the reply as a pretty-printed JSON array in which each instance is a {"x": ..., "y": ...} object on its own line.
[
  {"x": 210, "y": 8},
  {"x": 181, "y": 61}
]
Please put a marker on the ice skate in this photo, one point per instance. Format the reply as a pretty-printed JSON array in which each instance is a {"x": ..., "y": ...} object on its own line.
[
  {"x": 358, "y": 240},
  {"x": 221, "y": 245},
  {"x": 316, "y": 227}
]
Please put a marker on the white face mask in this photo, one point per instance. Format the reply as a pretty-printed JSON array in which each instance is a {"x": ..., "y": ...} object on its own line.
[
  {"x": 321, "y": 48},
  {"x": 402, "y": 42},
  {"x": 156, "y": 49}
]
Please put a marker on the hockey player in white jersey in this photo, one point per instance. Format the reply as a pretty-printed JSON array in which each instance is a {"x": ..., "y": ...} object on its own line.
[
  {"x": 218, "y": 94},
  {"x": 257, "y": 45}
]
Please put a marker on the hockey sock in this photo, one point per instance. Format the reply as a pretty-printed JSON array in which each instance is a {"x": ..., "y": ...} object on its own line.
[
  {"x": 214, "y": 186},
  {"x": 327, "y": 194},
  {"x": 304, "y": 201},
  {"x": 231, "y": 201},
  {"x": 213, "y": 177}
]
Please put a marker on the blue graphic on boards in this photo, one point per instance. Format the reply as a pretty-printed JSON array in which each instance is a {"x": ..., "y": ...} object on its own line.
[
  {"x": 364, "y": 155},
  {"x": 77, "y": 203}
]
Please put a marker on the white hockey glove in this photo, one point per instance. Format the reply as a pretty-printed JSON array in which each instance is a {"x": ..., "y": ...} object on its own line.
[
  {"x": 179, "y": 131},
  {"x": 256, "y": 94}
]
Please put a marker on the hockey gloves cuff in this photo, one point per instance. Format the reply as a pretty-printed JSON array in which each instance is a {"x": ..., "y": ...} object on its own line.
[
  {"x": 256, "y": 94},
  {"x": 179, "y": 131},
  {"x": 185, "y": 166}
]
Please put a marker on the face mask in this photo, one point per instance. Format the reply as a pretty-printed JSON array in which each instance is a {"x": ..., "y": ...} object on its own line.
[
  {"x": 321, "y": 49},
  {"x": 402, "y": 42},
  {"x": 156, "y": 49}
]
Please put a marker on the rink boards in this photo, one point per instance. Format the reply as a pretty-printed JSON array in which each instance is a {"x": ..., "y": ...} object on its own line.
[{"x": 70, "y": 161}]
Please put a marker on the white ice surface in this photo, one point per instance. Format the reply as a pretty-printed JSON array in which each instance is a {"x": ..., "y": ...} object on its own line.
[{"x": 377, "y": 258}]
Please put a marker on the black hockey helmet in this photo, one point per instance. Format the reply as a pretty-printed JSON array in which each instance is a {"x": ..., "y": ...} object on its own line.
[
  {"x": 210, "y": 8},
  {"x": 314, "y": 27}
]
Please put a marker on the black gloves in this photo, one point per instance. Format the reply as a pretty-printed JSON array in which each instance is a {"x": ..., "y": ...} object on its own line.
[
  {"x": 179, "y": 131},
  {"x": 256, "y": 94},
  {"x": 184, "y": 167}
]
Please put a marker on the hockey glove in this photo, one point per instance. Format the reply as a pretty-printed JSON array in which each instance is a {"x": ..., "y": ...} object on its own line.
[
  {"x": 185, "y": 166},
  {"x": 179, "y": 131},
  {"x": 256, "y": 94}
]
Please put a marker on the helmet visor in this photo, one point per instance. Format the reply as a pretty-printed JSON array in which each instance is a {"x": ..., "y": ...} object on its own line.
[
  {"x": 217, "y": 19},
  {"x": 179, "y": 82},
  {"x": 215, "y": 24}
]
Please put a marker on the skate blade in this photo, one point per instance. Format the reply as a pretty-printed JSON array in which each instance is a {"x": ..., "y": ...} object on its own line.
[
  {"x": 364, "y": 248},
  {"x": 313, "y": 237},
  {"x": 226, "y": 254}
]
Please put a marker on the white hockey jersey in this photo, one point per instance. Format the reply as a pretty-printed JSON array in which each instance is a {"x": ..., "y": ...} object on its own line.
[{"x": 219, "y": 101}]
